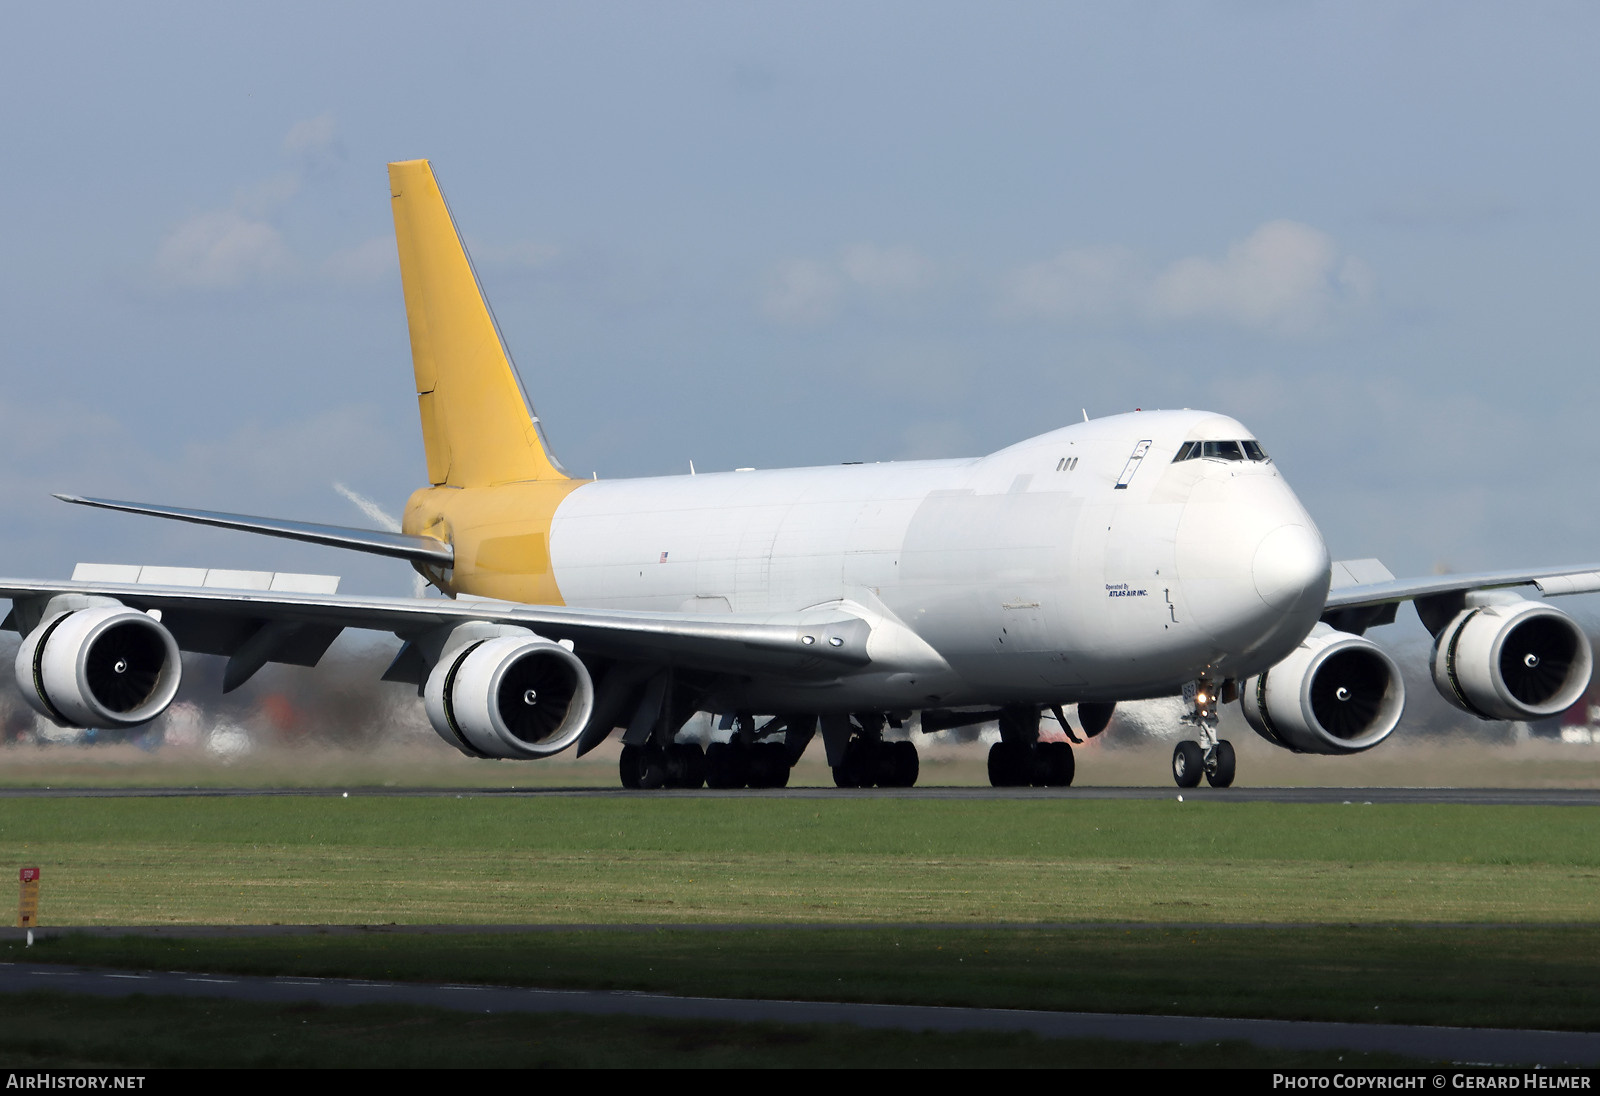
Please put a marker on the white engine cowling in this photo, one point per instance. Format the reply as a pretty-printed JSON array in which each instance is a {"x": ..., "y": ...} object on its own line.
[
  {"x": 106, "y": 666},
  {"x": 1336, "y": 693},
  {"x": 518, "y": 696},
  {"x": 1516, "y": 660}
]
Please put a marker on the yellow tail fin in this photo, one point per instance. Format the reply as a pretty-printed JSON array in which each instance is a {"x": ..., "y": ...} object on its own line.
[{"x": 477, "y": 425}]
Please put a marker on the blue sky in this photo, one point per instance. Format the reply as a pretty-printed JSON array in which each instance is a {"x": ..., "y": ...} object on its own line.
[{"x": 750, "y": 234}]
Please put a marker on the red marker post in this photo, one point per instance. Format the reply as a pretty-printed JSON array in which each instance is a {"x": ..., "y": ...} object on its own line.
[{"x": 28, "y": 911}]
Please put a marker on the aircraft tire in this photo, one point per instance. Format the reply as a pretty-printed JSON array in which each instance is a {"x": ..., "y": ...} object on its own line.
[
  {"x": 855, "y": 772},
  {"x": 904, "y": 765},
  {"x": 777, "y": 767},
  {"x": 881, "y": 770},
  {"x": 1006, "y": 769},
  {"x": 1188, "y": 764},
  {"x": 1060, "y": 765},
  {"x": 725, "y": 765},
  {"x": 686, "y": 765},
  {"x": 769, "y": 766},
  {"x": 1222, "y": 776},
  {"x": 630, "y": 767}
]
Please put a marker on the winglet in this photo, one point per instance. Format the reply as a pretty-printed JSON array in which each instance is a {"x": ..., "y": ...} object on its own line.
[{"x": 477, "y": 425}]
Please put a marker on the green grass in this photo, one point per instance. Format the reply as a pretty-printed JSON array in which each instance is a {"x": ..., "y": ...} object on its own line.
[
  {"x": 66, "y": 1031},
  {"x": 1347, "y": 876},
  {"x": 1537, "y": 977},
  {"x": 483, "y": 859}
]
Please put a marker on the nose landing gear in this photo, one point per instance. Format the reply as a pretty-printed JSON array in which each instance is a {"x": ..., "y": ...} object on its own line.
[{"x": 1211, "y": 757}]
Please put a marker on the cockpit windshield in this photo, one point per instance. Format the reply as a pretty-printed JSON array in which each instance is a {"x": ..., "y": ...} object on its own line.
[{"x": 1248, "y": 449}]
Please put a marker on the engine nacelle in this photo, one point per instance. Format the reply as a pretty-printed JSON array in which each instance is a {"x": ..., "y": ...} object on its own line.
[
  {"x": 516, "y": 696},
  {"x": 1336, "y": 693},
  {"x": 1514, "y": 660},
  {"x": 105, "y": 666}
]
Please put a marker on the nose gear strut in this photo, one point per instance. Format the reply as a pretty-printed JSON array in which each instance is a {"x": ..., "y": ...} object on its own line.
[{"x": 1211, "y": 757}]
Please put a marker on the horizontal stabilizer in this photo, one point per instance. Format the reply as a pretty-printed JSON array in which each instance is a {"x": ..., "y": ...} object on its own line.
[{"x": 400, "y": 545}]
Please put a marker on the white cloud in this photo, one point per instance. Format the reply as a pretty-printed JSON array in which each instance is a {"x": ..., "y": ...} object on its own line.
[
  {"x": 364, "y": 264},
  {"x": 241, "y": 246},
  {"x": 1085, "y": 283},
  {"x": 222, "y": 250},
  {"x": 805, "y": 291},
  {"x": 886, "y": 269},
  {"x": 802, "y": 291},
  {"x": 313, "y": 143},
  {"x": 1286, "y": 278},
  {"x": 268, "y": 196},
  {"x": 521, "y": 257}
]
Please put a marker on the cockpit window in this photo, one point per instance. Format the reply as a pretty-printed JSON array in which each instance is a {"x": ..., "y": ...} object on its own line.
[{"x": 1221, "y": 450}]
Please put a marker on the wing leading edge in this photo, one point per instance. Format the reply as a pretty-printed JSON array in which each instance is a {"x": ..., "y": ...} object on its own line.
[
  {"x": 1364, "y": 594},
  {"x": 820, "y": 642}
]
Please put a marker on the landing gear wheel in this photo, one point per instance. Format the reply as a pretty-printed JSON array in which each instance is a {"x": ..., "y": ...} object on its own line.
[
  {"x": 1056, "y": 763},
  {"x": 769, "y": 766},
  {"x": 640, "y": 767},
  {"x": 1008, "y": 766},
  {"x": 628, "y": 767},
  {"x": 1220, "y": 774},
  {"x": 857, "y": 769},
  {"x": 896, "y": 764},
  {"x": 726, "y": 765},
  {"x": 1188, "y": 764},
  {"x": 686, "y": 765}
]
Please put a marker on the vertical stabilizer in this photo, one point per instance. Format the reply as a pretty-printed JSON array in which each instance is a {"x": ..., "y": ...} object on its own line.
[{"x": 477, "y": 426}]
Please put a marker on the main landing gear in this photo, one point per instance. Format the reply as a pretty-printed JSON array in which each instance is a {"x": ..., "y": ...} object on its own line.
[
  {"x": 1211, "y": 757},
  {"x": 1020, "y": 759},
  {"x": 679, "y": 765},
  {"x": 754, "y": 757},
  {"x": 869, "y": 761}
]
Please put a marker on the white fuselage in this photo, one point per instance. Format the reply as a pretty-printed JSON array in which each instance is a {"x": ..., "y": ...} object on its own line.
[{"x": 1029, "y": 573}]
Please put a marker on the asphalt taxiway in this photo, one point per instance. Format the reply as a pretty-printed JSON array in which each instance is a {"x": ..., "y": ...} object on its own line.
[
  {"x": 1530, "y": 797},
  {"x": 1466, "y": 1046}
]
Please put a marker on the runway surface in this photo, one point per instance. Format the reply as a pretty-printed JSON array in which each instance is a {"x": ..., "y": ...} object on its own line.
[
  {"x": 1467, "y": 1046},
  {"x": 1537, "y": 797}
]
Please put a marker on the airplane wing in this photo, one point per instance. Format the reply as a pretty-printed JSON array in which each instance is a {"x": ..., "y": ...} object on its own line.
[
  {"x": 1365, "y": 594},
  {"x": 821, "y": 642}
]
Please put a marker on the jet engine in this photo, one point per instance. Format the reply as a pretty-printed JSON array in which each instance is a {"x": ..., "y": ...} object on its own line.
[
  {"x": 104, "y": 666},
  {"x": 513, "y": 696},
  {"x": 1518, "y": 659},
  {"x": 1336, "y": 693}
]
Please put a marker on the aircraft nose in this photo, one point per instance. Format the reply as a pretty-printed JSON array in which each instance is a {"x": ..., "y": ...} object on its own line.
[
  {"x": 1253, "y": 568},
  {"x": 1290, "y": 562}
]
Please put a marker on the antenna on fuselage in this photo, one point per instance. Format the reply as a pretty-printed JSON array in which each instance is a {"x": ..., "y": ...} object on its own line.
[{"x": 1085, "y": 414}]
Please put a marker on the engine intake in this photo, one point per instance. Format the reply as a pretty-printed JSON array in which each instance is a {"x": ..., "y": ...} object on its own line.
[
  {"x": 1514, "y": 660},
  {"x": 106, "y": 666},
  {"x": 1336, "y": 693},
  {"x": 509, "y": 697}
]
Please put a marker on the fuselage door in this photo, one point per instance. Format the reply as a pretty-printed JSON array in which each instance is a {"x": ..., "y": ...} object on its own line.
[{"x": 1133, "y": 464}]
